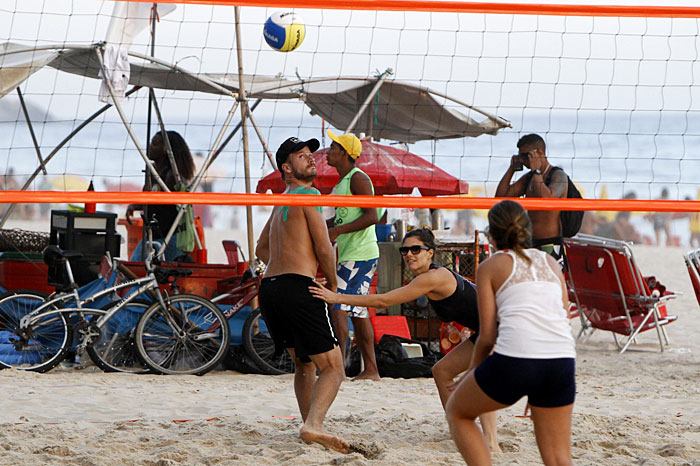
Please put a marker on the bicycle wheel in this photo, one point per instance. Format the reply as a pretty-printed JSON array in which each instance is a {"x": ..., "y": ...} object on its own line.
[
  {"x": 39, "y": 347},
  {"x": 260, "y": 347},
  {"x": 190, "y": 336},
  {"x": 115, "y": 348}
]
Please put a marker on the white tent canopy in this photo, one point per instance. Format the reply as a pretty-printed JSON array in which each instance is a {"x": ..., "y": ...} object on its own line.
[{"x": 401, "y": 111}]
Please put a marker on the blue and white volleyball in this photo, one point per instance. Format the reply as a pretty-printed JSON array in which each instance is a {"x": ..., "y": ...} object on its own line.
[{"x": 284, "y": 31}]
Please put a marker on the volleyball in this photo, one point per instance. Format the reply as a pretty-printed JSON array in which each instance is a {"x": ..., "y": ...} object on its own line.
[{"x": 284, "y": 31}]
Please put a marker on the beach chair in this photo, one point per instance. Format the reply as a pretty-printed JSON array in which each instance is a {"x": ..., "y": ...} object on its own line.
[
  {"x": 611, "y": 293},
  {"x": 692, "y": 262}
]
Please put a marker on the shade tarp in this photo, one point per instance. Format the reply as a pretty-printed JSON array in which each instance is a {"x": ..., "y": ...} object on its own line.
[
  {"x": 400, "y": 111},
  {"x": 16, "y": 67},
  {"x": 391, "y": 169}
]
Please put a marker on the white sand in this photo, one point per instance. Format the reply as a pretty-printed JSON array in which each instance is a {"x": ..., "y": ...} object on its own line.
[{"x": 642, "y": 407}]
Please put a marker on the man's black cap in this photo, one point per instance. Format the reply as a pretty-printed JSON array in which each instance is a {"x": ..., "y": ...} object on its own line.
[{"x": 292, "y": 145}]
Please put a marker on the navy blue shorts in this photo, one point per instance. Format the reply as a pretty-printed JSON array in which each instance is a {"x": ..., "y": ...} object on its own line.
[{"x": 547, "y": 383}]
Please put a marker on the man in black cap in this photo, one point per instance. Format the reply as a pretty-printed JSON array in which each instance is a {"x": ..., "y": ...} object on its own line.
[{"x": 293, "y": 244}]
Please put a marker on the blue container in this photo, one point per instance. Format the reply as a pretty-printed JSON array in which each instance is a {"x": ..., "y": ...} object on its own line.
[{"x": 383, "y": 231}]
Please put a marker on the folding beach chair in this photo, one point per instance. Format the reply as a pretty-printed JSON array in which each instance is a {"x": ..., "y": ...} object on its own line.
[
  {"x": 611, "y": 292},
  {"x": 692, "y": 261}
]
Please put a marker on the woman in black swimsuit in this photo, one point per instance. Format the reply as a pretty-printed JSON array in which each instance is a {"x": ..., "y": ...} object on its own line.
[{"x": 453, "y": 298}]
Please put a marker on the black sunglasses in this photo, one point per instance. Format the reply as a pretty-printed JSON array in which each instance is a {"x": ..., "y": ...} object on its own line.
[{"x": 414, "y": 249}]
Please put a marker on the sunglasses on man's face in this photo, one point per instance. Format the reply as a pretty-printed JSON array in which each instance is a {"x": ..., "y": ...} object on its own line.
[{"x": 415, "y": 250}]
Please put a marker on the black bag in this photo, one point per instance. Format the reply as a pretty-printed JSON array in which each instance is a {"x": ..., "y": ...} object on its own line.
[
  {"x": 570, "y": 219},
  {"x": 392, "y": 360},
  {"x": 236, "y": 359}
]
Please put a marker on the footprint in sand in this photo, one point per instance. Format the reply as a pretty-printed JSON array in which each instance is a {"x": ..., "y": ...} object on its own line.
[{"x": 371, "y": 451}]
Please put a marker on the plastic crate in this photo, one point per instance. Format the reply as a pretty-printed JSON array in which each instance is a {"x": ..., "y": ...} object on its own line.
[{"x": 390, "y": 325}]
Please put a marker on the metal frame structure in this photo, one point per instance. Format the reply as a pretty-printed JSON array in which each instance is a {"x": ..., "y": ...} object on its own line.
[{"x": 241, "y": 96}]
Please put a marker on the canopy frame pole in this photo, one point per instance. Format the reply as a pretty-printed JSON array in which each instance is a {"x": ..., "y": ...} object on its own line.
[
  {"x": 246, "y": 160},
  {"x": 146, "y": 228},
  {"x": 60, "y": 145},
  {"x": 195, "y": 184},
  {"x": 233, "y": 132},
  {"x": 42, "y": 164},
  {"x": 214, "y": 151},
  {"x": 262, "y": 138},
  {"x": 369, "y": 98},
  {"x": 120, "y": 111},
  {"x": 166, "y": 139}
]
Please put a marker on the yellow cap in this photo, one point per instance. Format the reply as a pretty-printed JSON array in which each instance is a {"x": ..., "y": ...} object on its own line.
[{"x": 349, "y": 142}]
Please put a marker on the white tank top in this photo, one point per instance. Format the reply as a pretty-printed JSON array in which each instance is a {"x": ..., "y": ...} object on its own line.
[{"x": 532, "y": 321}]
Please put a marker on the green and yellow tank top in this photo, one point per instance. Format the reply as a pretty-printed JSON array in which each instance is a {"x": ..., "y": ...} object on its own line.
[{"x": 358, "y": 245}]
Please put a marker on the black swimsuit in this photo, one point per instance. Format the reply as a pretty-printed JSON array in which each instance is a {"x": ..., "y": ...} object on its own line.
[{"x": 461, "y": 306}]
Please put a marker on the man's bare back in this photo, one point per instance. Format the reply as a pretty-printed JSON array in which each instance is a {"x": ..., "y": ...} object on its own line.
[{"x": 291, "y": 246}]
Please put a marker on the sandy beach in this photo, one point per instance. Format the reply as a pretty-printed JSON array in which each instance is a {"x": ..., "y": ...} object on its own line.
[{"x": 642, "y": 407}]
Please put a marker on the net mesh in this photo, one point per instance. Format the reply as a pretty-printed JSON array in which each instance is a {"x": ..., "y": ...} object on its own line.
[{"x": 613, "y": 97}]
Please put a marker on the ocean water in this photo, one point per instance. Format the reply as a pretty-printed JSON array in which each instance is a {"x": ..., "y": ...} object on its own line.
[{"x": 606, "y": 155}]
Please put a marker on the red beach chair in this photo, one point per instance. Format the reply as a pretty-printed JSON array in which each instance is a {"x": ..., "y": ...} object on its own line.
[
  {"x": 611, "y": 292},
  {"x": 692, "y": 261}
]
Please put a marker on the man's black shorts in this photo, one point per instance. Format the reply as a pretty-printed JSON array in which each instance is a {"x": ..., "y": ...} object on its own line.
[{"x": 296, "y": 319}]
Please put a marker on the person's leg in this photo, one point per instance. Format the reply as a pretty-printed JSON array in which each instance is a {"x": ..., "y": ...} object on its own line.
[
  {"x": 136, "y": 253},
  {"x": 466, "y": 403},
  {"x": 171, "y": 250},
  {"x": 450, "y": 366},
  {"x": 304, "y": 380},
  {"x": 342, "y": 329},
  {"x": 553, "y": 434},
  {"x": 667, "y": 230},
  {"x": 364, "y": 337},
  {"x": 330, "y": 376}
]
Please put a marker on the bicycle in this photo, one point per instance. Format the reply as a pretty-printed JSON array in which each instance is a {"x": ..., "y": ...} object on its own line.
[
  {"x": 257, "y": 341},
  {"x": 36, "y": 331}
]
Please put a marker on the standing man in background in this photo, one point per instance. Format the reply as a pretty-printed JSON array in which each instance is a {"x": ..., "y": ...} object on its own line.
[
  {"x": 352, "y": 229},
  {"x": 542, "y": 181}
]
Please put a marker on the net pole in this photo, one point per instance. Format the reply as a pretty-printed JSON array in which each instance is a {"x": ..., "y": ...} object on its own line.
[{"x": 244, "y": 133}]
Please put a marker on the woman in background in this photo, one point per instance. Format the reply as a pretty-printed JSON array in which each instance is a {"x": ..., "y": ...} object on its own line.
[
  {"x": 452, "y": 297},
  {"x": 165, "y": 214}
]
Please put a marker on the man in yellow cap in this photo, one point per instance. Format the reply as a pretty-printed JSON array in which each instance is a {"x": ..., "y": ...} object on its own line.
[{"x": 352, "y": 229}]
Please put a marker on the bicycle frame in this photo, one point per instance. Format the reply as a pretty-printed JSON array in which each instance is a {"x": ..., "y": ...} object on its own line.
[
  {"x": 253, "y": 286},
  {"x": 145, "y": 284}
]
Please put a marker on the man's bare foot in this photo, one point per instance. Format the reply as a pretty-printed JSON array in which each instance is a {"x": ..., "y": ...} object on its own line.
[
  {"x": 328, "y": 441},
  {"x": 364, "y": 375}
]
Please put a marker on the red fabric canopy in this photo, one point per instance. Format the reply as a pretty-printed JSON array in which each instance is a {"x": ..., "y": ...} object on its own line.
[{"x": 392, "y": 171}]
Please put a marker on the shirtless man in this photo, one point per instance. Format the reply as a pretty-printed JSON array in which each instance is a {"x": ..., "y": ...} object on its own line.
[
  {"x": 542, "y": 181},
  {"x": 293, "y": 244}
]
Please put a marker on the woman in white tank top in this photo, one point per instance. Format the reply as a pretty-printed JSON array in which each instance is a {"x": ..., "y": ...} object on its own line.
[{"x": 522, "y": 302}]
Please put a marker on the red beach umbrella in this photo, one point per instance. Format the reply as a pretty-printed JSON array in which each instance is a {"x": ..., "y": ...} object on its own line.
[{"x": 391, "y": 169}]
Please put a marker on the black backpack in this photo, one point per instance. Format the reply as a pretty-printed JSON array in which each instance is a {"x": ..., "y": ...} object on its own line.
[
  {"x": 392, "y": 360},
  {"x": 570, "y": 219}
]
